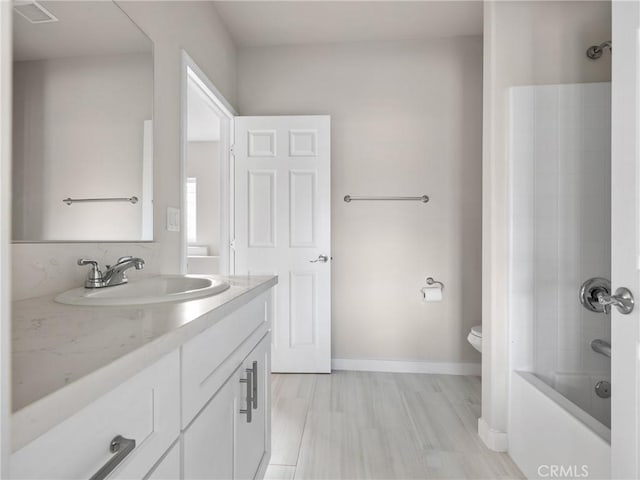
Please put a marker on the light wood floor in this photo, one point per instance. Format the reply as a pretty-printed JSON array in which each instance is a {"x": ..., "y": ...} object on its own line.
[{"x": 362, "y": 425}]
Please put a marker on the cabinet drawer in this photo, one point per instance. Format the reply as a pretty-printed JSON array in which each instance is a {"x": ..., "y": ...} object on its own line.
[
  {"x": 209, "y": 359},
  {"x": 144, "y": 408}
]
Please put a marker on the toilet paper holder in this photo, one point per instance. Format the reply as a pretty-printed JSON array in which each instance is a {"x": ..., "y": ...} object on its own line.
[{"x": 431, "y": 281}]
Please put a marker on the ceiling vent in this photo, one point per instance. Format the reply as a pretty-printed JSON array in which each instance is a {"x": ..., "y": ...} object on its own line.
[{"x": 33, "y": 12}]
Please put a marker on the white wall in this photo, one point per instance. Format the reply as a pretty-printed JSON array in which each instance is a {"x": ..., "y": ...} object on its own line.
[
  {"x": 40, "y": 269},
  {"x": 78, "y": 132},
  {"x": 525, "y": 43},
  {"x": 203, "y": 163},
  {"x": 406, "y": 120}
]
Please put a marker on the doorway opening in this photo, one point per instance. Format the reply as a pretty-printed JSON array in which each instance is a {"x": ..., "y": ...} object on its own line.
[{"x": 207, "y": 122}]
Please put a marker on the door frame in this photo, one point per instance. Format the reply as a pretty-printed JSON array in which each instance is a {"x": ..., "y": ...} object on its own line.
[
  {"x": 625, "y": 222},
  {"x": 191, "y": 71},
  {"x": 6, "y": 67}
]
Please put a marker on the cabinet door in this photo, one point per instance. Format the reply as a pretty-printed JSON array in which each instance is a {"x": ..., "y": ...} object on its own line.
[
  {"x": 208, "y": 441},
  {"x": 169, "y": 467},
  {"x": 253, "y": 433}
]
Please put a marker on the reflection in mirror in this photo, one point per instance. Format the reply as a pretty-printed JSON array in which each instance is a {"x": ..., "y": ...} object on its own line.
[{"x": 82, "y": 112}]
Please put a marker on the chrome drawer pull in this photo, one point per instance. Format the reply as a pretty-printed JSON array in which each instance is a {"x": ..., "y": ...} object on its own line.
[
  {"x": 121, "y": 447},
  {"x": 249, "y": 382},
  {"x": 254, "y": 377}
]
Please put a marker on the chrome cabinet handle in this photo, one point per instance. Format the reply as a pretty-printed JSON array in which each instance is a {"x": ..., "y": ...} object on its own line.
[
  {"x": 121, "y": 447},
  {"x": 321, "y": 258},
  {"x": 248, "y": 410},
  {"x": 254, "y": 377}
]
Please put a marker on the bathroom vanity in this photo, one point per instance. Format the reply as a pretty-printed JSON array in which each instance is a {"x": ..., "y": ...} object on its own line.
[{"x": 159, "y": 391}]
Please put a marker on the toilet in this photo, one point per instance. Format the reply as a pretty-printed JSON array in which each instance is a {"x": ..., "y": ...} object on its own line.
[{"x": 475, "y": 337}]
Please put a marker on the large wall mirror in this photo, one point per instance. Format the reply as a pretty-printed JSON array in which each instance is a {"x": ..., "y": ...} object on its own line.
[{"x": 82, "y": 124}]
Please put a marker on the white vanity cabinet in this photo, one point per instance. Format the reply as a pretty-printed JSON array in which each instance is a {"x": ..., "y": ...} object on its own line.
[
  {"x": 208, "y": 442},
  {"x": 145, "y": 408},
  {"x": 253, "y": 430},
  {"x": 229, "y": 437},
  {"x": 201, "y": 411},
  {"x": 169, "y": 467}
]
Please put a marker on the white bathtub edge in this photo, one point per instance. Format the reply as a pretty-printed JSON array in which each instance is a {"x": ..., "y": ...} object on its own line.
[
  {"x": 548, "y": 431},
  {"x": 575, "y": 411}
]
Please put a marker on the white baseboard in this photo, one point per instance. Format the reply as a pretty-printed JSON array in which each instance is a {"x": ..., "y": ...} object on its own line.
[
  {"x": 404, "y": 366},
  {"x": 494, "y": 439}
]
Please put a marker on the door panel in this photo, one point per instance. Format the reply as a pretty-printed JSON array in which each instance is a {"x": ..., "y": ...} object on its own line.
[
  {"x": 262, "y": 208},
  {"x": 283, "y": 224},
  {"x": 625, "y": 221}
]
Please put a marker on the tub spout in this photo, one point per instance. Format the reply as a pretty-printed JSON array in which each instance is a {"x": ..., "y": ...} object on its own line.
[{"x": 601, "y": 347}]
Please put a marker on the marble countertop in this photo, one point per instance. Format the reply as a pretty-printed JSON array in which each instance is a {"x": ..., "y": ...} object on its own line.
[{"x": 65, "y": 356}]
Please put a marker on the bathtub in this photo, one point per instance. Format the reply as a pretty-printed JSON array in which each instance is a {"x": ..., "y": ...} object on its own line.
[
  {"x": 580, "y": 389},
  {"x": 551, "y": 437}
]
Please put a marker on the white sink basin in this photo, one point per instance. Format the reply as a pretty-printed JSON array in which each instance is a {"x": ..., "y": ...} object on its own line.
[{"x": 159, "y": 289}]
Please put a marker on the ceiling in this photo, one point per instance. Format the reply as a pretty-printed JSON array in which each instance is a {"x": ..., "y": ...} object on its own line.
[
  {"x": 84, "y": 28},
  {"x": 270, "y": 23}
]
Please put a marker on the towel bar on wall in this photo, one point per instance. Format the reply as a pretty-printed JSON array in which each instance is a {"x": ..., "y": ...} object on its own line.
[
  {"x": 132, "y": 200},
  {"x": 351, "y": 198}
]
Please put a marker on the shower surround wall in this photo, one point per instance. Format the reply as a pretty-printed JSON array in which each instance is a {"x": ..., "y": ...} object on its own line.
[
  {"x": 515, "y": 34},
  {"x": 560, "y": 152},
  {"x": 560, "y": 197}
]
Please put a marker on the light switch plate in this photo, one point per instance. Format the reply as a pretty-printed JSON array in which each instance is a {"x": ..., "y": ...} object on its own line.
[{"x": 173, "y": 219}]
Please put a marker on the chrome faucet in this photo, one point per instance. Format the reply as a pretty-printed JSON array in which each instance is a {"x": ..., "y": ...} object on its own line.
[{"x": 114, "y": 275}]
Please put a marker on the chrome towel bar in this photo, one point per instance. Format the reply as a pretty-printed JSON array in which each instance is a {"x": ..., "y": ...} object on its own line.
[
  {"x": 351, "y": 198},
  {"x": 132, "y": 200}
]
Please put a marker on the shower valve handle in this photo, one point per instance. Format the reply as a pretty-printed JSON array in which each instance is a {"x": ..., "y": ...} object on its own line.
[
  {"x": 622, "y": 300},
  {"x": 595, "y": 295}
]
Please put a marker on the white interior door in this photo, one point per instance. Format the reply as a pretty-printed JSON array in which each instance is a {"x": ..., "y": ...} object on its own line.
[
  {"x": 625, "y": 225},
  {"x": 282, "y": 227}
]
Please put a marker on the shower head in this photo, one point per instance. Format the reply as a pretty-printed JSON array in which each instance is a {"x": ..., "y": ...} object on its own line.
[{"x": 595, "y": 51}]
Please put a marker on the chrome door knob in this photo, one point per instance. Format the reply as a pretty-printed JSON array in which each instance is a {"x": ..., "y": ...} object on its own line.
[{"x": 321, "y": 259}]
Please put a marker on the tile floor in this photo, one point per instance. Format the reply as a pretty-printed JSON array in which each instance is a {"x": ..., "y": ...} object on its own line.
[{"x": 364, "y": 425}]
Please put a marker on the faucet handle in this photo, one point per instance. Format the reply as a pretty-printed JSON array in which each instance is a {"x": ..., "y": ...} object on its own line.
[
  {"x": 95, "y": 275},
  {"x": 82, "y": 261}
]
